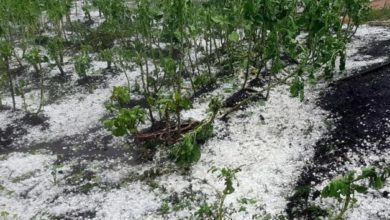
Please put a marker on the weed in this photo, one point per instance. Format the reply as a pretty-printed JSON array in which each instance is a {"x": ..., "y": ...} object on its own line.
[
  {"x": 23, "y": 177},
  {"x": 164, "y": 209}
]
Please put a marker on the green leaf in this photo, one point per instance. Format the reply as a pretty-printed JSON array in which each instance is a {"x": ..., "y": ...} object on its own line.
[
  {"x": 368, "y": 172},
  {"x": 218, "y": 19},
  {"x": 360, "y": 189},
  {"x": 108, "y": 124},
  {"x": 378, "y": 183},
  {"x": 297, "y": 88},
  {"x": 234, "y": 37}
]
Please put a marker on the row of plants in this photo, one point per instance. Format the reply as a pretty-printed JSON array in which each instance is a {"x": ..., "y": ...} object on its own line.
[
  {"x": 342, "y": 190},
  {"x": 180, "y": 47},
  {"x": 180, "y": 43}
]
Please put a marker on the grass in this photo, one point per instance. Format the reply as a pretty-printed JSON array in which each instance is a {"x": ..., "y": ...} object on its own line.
[{"x": 379, "y": 15}]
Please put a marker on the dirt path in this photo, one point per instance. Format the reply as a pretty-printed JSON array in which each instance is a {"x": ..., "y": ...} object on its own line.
[{"x": 378, "y": 4}]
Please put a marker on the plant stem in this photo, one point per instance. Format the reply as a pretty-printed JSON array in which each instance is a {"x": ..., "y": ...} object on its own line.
[{"x": 11, "y": 83}]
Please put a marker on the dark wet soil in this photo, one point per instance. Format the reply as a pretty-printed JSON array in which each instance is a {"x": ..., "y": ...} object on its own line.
[
  {"x": 19, "y": 128},
  {"x": 239, "y": 96},
  {"x": 362, "y": 105},
  {"x": 94, "y": 144},
  {"x": 8, "y": 135},
  {"x": 377, "y": 49},
  {"x": 258, "y": 82},
  {"x": 34, "y": 120},
  {"x": 88, "y": 80},
  {"x": 205, "y": 89}
]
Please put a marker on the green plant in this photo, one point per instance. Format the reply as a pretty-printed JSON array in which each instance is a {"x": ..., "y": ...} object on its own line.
[
  {"x": 125, "y": 121},
  {"x": 344, "y": 188},
  {"x": 108, "y": 56},
  {"x": 204, "y": 211},
  {"x": 228, "y": 175},
  {"x": 5, "y": 57},
  {"x": 4, "y": 214},
  {"x": 86, "y": 9},
  {"x": 3, "y": 86},
  {"x": 174, "y": 104},
  {"x": 187, "y": 151},
  {"x": 164, "y": 209},
  {"x": 35, "y": 58},
  {"x": 119, "y": 99},
  {"x": 203, "y": 80},
  {"x": 82, "y": 63},
  {"x": 21, "y": 90},
  {"x": 56, "y": 51}
]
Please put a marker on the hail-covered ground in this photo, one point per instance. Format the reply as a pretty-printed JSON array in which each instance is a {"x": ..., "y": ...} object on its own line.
[{"x": 71, "y": 167}]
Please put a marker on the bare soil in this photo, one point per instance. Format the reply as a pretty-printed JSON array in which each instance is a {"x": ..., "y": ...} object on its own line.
[{"x": 379, "y": 4}]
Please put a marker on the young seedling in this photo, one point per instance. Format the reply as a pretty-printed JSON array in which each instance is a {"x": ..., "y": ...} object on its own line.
[
  {"x": 344, "y": 188},
  {"x": 228, "y": 175}
]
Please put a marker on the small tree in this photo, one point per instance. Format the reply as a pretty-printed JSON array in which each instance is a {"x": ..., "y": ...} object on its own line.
[
  {"x": 35, "y": 58},
  {"x": 56, "y": 51},
  {"x": 82, "y": 62}
]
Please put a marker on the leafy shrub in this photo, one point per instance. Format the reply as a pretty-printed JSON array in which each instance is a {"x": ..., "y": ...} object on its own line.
[
  {"x": 56, "y": 50},
  {"x": 108, "y": 56},
  {"x": 126, "y": 121},
  {"x": 187, "y": 151},
  {"x": 82, "y": 64},
  {"x": 120, "y": 97}
]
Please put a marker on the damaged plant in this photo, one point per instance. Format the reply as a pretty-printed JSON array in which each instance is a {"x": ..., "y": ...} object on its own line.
[
  {"x": 125, "y": 120},
  {"x": 344, "y": 188},
  {"x": 228, "y": 176},
  {"x": 187, "y": 151},
  {"x": 35, "y": 59},
  {"x": 82, "y": 62}
]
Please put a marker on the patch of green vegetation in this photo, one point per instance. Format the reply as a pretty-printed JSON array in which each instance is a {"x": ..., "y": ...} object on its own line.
[
  {"x": 164, "y": 209},
  {"x": 84, "y": 180},
  {"x": 204, "y": 211},
  {"x": 5, "y": 215},
  {"x": 379, "y": 14},
  {"x": 23, "y": 177},
  {"x": 2, "y": 157}
]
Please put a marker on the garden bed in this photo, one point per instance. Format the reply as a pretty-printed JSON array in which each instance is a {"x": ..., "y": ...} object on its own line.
[{"x": 63, "y": 164}]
